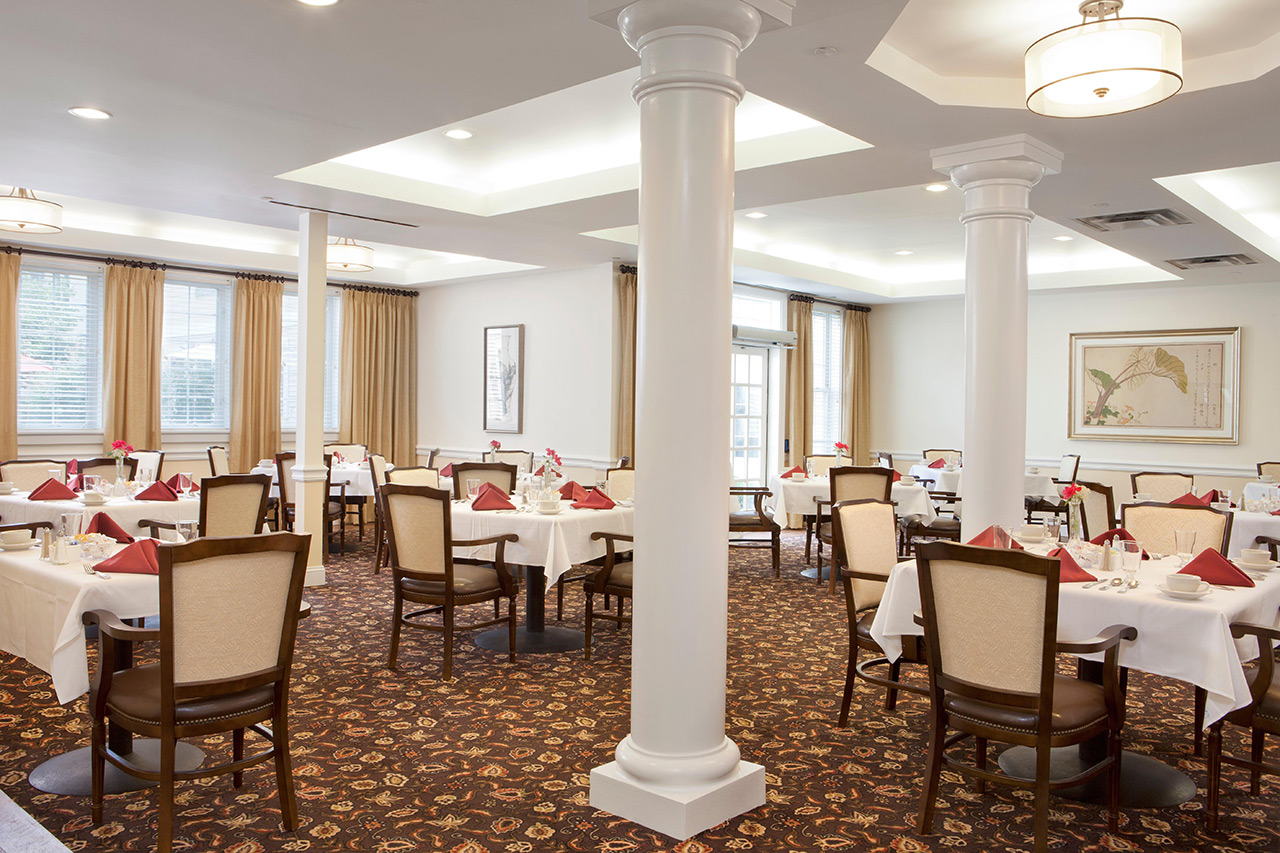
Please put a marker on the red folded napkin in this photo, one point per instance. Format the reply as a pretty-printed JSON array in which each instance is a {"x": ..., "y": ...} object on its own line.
[
  {"x": 491, "y": 498},
  {"x": 157, "y": 491},
  {"x": 541, "y": 470},
  {"x": 1069, "y": 570},
  {"x": 51, "y": 490},
  {"x": 172, "y": 483},
  {"x": 447, "y": 471},
  {"x": 106, "y": 525},
  {"x": 1211, "y": 566},
  {"x": 896, "y": 476},
  {"x": 140, "y": 558},
  {"x": 74, "y": 483},
  {"x": 1190, "y": 499},
  {"x": 938, "y": 463},
  {"x": 786, "y": 475},
  {"x": 1117, "y": 533},
  {"x": 73, "y": 467},
  {"x": 987, "y": 539},
  {"x": 596, "y": 500},
  {"x": 571, "y": 491}
]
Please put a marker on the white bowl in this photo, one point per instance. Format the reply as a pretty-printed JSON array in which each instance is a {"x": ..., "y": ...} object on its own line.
[
  {"x": 16, "y": 537},
  {"x": 548, "y": 510}
]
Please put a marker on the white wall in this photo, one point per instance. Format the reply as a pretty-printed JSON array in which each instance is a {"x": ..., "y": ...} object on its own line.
[
  {"x": 568, "y": 364},
  {"x": 917, "y": 360}
]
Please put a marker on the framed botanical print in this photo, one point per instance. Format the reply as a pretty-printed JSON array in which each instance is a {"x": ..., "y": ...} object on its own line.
[
  {"x": 504, "y": 378},
  {"x": 1176, "y": 386}
]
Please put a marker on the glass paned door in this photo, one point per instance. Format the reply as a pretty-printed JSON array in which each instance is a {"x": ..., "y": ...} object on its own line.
[{"x": 749, "y": 422}]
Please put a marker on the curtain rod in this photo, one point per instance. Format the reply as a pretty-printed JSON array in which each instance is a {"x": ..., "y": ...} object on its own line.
[
  {"x": 804, "y": 297},
  {"x": 257, "y": 276}
]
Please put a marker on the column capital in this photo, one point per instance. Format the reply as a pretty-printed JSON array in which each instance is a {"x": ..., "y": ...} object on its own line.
[
  {"x": 1019, "y": 147},
  {"x": 633, "y": 17}
]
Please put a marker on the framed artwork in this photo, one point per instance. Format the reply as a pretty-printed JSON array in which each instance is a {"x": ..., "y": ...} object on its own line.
[
  {"x": 504, "y": 378},
  {"x": 1176, "y": 386}
]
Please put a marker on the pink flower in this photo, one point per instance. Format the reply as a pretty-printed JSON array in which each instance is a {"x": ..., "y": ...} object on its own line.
[
  {"x": 840, "y": 445},
  {"x": 120, "y": 444},
  {"x": 1071, "y": 491},
  {"x": 495, "y": 444}
]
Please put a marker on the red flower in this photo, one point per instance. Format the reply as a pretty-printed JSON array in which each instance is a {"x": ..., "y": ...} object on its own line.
[
  {"x": 840, "y": 445},
  {"x": 1071, "y": 491},
  {"x": 495, "y": 444}
]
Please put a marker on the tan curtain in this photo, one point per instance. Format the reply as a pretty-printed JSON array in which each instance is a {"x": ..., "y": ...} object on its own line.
[
  {"x": 856, "y": 423},
  {"x": 798, "y": 417},
  {"x": 624, "y": 282},
  {"x": 255, "y": 371},
  {"x": 380, "y": 373},
  {"x": 10, "y": 261},
  {"x": 133, "y": 309}
]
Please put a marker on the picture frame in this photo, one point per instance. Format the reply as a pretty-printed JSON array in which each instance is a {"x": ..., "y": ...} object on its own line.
[
  {"x": 504, "y": 379},
  {"x": 1177, "y": 385}
]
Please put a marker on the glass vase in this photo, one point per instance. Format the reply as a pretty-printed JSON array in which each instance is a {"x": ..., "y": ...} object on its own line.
[
  {"x": 119, "y": 488},
  {"x": 1075, "y": 525}
]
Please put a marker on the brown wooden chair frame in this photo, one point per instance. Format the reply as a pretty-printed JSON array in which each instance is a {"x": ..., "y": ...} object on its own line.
[
  {"x": 286, "y": 509},
  {"x": 597, "y": 583},
  {"x": 1133, "y": 479},
  {"x": 924, "y": 456},
  {"x": 913, "y": 530},
  {"x": 115, "y": 641},
  {"x": 460, "y": 470},
  {"x": 1041, "y": 703},
  {"x": 207, "y": 485},
  {"x": 1044, "y": 505},
  {"x": 761, "y": 524},
  {"x": 1271, "y": 543},
  {"x": 445, "y": 603},
  {"x": 1110, "y": 494},
  {"x": 108, "y": 463}
]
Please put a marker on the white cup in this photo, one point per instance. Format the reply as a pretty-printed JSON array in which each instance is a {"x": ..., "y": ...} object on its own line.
[
  {"x": 1221, "y": 505},
  {"x": 907, "y": 480},
  {"x": 6, "y": 486},
  {"x": 1182, "y": 583},
  {"x": 1266, "y": 478},
  {"x": 1142, "y": 497},
  {"x": 1033, "y": 470},
  {"x": 1032, "y": 531},
  {"x": 1255, "y": 556},
  {"x": 15, "y": 537},
  {"x": 950, "y": 466},
  {"x": 549, "y": 504},
  {"x": 93, "y": 498}
]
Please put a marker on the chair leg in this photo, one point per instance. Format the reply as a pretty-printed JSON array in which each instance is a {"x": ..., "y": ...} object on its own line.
[
  {"x": 835, "y": 570},
  {"x": 377, "y": 538},
  {"x": 342, "y": 530},
  {"x": 591, "y": 600},
  {"x": 891, "y": 693},
  {"x": 397, "y": 612},
  {"x": 1042, "y": 800},
  {"x": 1257, "y": 744},
  {"x": 97, "y": 764},
  {"x": 1201, "y": 696},
  {"x": 808, "y": 538},
  {"x": 819, "y": 551},
  {"x": 1116, "y": 749},
  {"x": 777, "y": 553},
  {"x": 168, "y": 758},
  {"x": 980, "y": 761},
  {"x": 617, "y": 626},
  {"x": 1215, "y": 773},
  {"x": 511, "y": 629},
  {"x": 237, "y": 753},
  {"x": 360, "y": 517},
  {"x": 448, "y": 640},
  {"x": 932, "y": 772},
  {"x": 849, "y": 676},
  {"x": 284, "y": 769}
]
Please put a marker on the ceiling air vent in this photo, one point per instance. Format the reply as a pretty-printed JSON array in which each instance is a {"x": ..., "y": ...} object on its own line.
[
  {"x": 1211, "y": 262},
  {"x": 1134, "y": 219}
]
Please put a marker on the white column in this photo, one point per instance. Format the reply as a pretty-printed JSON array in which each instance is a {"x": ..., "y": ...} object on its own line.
[
  {"x": 309, "y": 469},
  {"x": 677, "y": 772},
  {"x": 996, "y": 177}
]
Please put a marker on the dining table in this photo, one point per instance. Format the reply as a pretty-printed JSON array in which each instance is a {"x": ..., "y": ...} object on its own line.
[
  {"x": 796, "y": 497},
  {"x": 549, "y": 545},
  {"x": 1187, "y": 640},
  {"x": 15, "y": 508},
  {"x": 357, "y": 476},
  {"x": 1036, "y": 485}
]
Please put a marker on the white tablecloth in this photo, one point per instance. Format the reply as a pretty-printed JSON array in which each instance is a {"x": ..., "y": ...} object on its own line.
[
  {"x": 40, "y": 609},
  {"x": 796, "y": 498},
  {"x": 359, "y": 480},
  {"x": 1258, "y": 491},
  {"x": 1186, "y": 640},
  {"x": 1246, "y": 525},
  {"x": 555, "y": 542},
  {"x": 1039, "y": 486},
  {"x": 124, "y": 511}
]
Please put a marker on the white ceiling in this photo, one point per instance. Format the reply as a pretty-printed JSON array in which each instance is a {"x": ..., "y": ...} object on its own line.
[{"x": 213, "y": 101}]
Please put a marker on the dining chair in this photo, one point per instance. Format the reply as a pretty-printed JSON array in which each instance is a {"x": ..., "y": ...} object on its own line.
[
  {"x": 865, "y": 550},
  {"x": 522, "y": 459},
  {"x": 849, "y": 483},
  {"x": 620, "y": 483},
  {"x": 230, "y": 505},
  {"x": 1153, "y": 524},
  {"x": 1068, "y": 470},
  {"x": 1271, "y": 469},
  {"x": 414, "y": 476},
  {"x": 219, "y": 462},
  {"x": 611, "y": 579},
  {"x": 1261, "y": 717},
  {"x": 351, "y": 452},
  {"x": 501, "y": 474},
  {"x": 1271, "y": 543},
  {"x": 884, "y": 460},
  {"x": 34, "y": 526},
  {"x": 333, "y": 510},
  {"x": 933, "y": 454},
  {"x": 26, "y": 474},
  {"x": 1161, "y": 486},
  {"x": 229, "y": 610},
  {"x": 1098, "y": 503},
  {"x": 822, "y": 463},
  {"x": 754, "y": 521},
  {"x": 996, "y": 678},
  {"x": 105, "y": 466},
  {"x": 945, "y": 526},
  {"x": 150, "y": 464},
  {"x": 425, "y": 571},
  {"x": 431, "y": 457}
]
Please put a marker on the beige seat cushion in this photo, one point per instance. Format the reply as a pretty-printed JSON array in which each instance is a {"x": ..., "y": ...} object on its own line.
[
  {"x": 467, "y": 580},
  {"x": 136, "y": 693},
  {"x": 748, "y": 521},
  {"x": 1266, "y": 715},
  {"x": 621, "y": 574}
]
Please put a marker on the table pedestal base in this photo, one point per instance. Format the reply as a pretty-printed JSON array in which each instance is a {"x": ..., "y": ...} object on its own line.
[
  {"x": 70, "y": 774},
  {"x": 1145, "y": 783},
  {"x": 812, "y": 574},
  {"x": 548, "y": 641}
]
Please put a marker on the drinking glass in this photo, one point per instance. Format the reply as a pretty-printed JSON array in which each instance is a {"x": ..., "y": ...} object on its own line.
[
  {"x": 57, "y": 474},
  {"x": 473, "y": 489},
  {"x": 1184, "y": 544},
  {"x": 186, "y": 530},
  {"x": 89, "y": 482},
  {"x": 1130, "y": 559},
  {"x": 1053, "y": 529},
  {"x": 92, "y": 552},
  {"x": 184, "y": 484},
  {"x": 69, "y": 525}
]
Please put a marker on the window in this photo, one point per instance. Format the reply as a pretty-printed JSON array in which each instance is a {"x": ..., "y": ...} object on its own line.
[
  {"x": 60, "y": 346},
  {"x": 195, "y": 354},
  {"x": 289, "y": 360},
  {"x": 761, "y": 309},
  {"x": 828, "y": 376}
]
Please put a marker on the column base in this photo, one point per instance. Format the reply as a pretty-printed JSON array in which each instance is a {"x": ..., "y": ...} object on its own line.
[
  {"x": 678, "y": 812},
  {"x": 315, "y": 576}
]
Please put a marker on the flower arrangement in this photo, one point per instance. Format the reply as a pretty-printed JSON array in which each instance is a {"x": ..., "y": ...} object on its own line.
[
  {"x": 1073, "y": 494},
  {"x": 550, "y": 466},
  {"x": 120, "y": 450},
  {"x": 841, "y": 450},
  {"x": 494, "y": 447}
]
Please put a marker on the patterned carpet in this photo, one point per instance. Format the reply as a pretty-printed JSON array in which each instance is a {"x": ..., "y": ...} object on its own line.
[{"x": 498, "y": 760}]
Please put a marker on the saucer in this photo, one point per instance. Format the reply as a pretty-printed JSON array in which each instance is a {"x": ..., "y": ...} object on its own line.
[
  {"x": 548, "y": 511},
  {"x": 1256, "y": 567},
  {"x": 18, "y": 546},
  {"x": 1205, "y": 589},
  {"x": 84, "y": 500}
]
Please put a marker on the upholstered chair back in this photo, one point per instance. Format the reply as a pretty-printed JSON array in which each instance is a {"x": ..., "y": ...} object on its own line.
[
  {"x": 1069, "y": 468},
  {"x": 414, "y": 476},
  {"x": 522, "y": 459},
  {"x": 1162, "y": 487},
  {"x": 233, "y": 505},
  {"x": 418, "y": 530},
  {"x": 620, "y": 483},
  {"x": 822, "y": 463},
  {"x": 852, "y": 483},
  {"x": 219, "y": 464},
  {"x": 149, "y": 464},
  {"x": 935, "y": 453},
  {"x": 349, "y": 452},
  {"x": 378, "y": 469},
  {"x": 1099, "y": 508},
  {"x": 1271, "y": 469},
  {"x": 284, "y": 477},
  {"x": 866, "y": 543},
  {"x": 1153, "y": 525},
  {"x": 105, "y": 466},
  {"x": 26, "y": 474},
  {"x": 501, "y": 474}
]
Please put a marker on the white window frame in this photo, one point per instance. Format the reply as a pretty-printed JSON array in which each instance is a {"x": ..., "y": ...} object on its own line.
[
  {"x": 332, "y": 368},
  {"x": 224, "y": 286},
  {"x": 828, "y": 377}
]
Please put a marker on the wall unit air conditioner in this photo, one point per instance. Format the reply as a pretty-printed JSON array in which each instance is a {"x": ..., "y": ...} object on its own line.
[{"x": 764, "y": 337}]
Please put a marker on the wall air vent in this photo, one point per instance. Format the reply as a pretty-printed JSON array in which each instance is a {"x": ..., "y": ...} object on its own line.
[
  {"x": 1134, "y": 219},
  {"x": 1209, "y": 262}
]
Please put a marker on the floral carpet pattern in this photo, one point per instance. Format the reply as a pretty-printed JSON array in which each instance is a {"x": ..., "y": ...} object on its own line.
[{"x": 498, "y": 761}]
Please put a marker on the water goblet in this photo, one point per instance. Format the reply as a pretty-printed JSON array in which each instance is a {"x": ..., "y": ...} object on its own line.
[
  {"x": 1130, "y": 559},
  {"x": 186, "y": 531},
  {"x": 184, "y": 484},
  {"x": 1184, "y": 544},
  {"x": 1052, "y": 529},
  {"x": 473, "y": 489}
]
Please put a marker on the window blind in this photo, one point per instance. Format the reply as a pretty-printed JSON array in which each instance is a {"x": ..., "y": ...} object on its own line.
[
  {"x": 195, "y": 355},
  {"x": 60, "y": 346},
  {"x": 828, "y": 376}
]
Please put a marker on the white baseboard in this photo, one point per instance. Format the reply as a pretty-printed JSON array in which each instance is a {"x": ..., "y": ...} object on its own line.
[{"x": 315, "y": 576}]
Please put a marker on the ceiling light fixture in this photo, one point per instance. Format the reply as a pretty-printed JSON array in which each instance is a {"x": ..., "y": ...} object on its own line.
[
  {"x": 1104, "y": 66},
  {"x": 937, "y": 188},
  {"x": 1063, "y": 238},
  {"x": 90, "y": 113},
  {"x": 903, "y": 252},
  {"x": 458, "y": 133},
  {"x": 21, "y": 211},
  {"x": 757, "y": 214},
  {"x": 317, "y": 2},
  {"x": 346, "y": 255}
]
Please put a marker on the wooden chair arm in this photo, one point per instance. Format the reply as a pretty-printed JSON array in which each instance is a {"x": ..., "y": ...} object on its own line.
[
  {"x": 158, "y": 525},
  {"x": 488, "y": 540},
  {"x": 1108, "y": 638},
  {"x": 110, "y": 625},
  {"x": 33, "y": 526},
  {"x": 616, "y": 537},
  {"x": 1239, "y": 630},
  {"x": 749, "y": 490}
]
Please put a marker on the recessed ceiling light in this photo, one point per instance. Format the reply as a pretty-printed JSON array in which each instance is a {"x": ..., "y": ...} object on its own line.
[
  {"x": 90, "y": 112},
  {"x": 458, "y": 133},
  {"x": 317, "y": 2},
  {"x": 937, "y": 188},
  {"x": 825, "y": 51},
  {"x": 1063, "y": 238},
  {"x": 757, "y": 214},
  {"x": 903, "y": 252}
]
